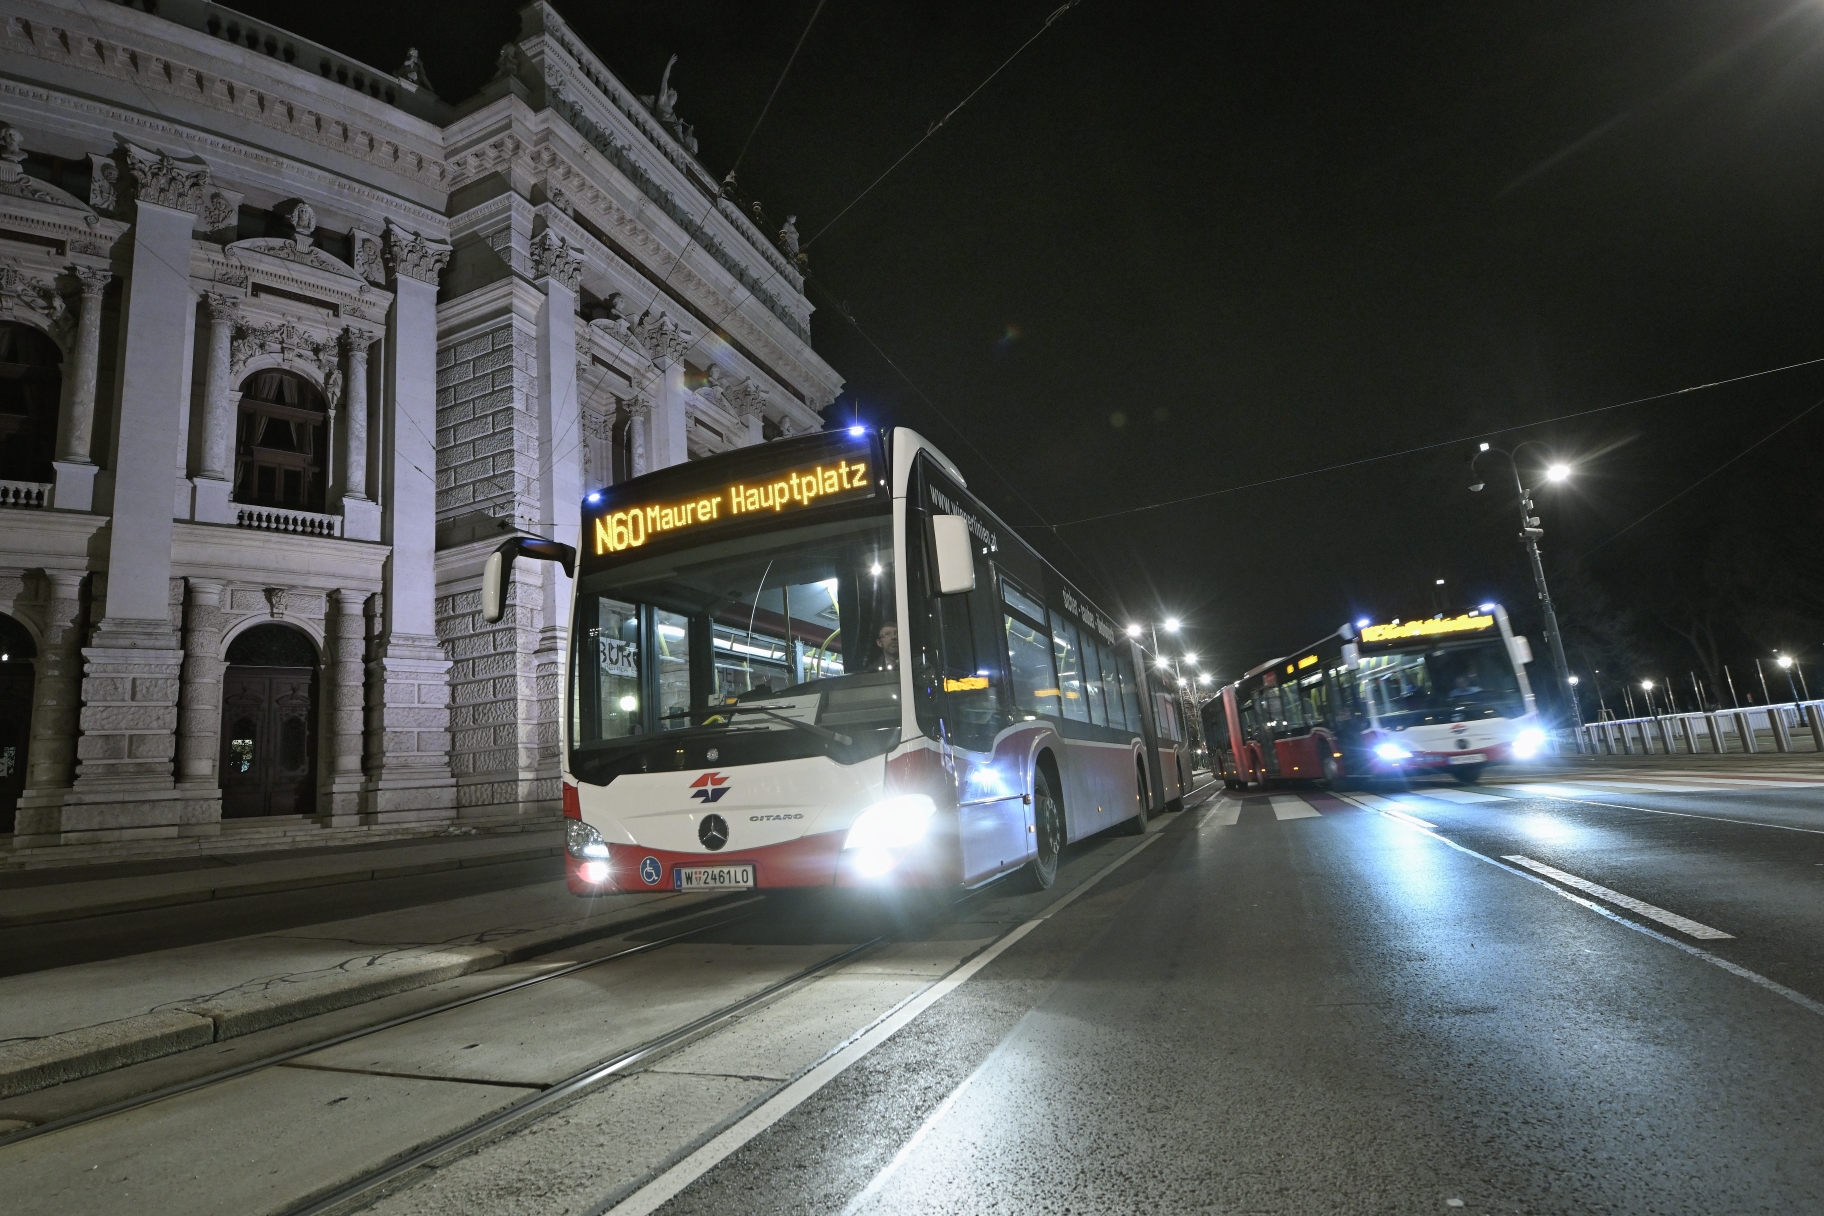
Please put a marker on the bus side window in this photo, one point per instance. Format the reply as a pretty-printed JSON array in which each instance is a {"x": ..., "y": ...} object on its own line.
[
  {"x": 971, "y": 665},
  {"x": 1030, "y": 677},
  {"x": 1092, "y": 680},
  {"x": 1069, "y": 652},
  {"x": 1130, "y": 690}
]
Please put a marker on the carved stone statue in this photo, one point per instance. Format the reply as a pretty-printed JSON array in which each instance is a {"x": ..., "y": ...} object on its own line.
[
  {"x": 508, "y": 62},
  {"x": 788, "y": 236},
  {"x": 12, "y": 151},
  {"x": 412, "y": 70},
  {"x": 664, "y": 106}
]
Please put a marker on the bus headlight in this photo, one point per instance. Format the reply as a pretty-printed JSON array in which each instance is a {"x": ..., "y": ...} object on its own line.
[
  {"x": 1392, "y": 751},
  {"x": 1528, "y": 742},
  {"x": 584, "y": 841},
  {"x": 892, "y": 824}
]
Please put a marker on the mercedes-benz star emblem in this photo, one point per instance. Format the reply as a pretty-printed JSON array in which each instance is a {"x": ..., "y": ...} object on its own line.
[{"x": 713, "y": 832}]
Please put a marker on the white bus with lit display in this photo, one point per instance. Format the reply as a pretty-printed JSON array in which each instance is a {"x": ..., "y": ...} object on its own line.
[
  {"x": 822, "y": 662},
  {"x": 1438, "y": 695}
]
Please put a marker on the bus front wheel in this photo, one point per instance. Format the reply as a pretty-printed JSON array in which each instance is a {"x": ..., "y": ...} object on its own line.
[
  {"x": 1048, "y": 829},
  {"x": 1467, "y": 774}
]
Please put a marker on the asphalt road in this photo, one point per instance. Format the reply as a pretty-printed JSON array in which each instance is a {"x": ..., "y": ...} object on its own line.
[{"x": 1551, "y": 998}]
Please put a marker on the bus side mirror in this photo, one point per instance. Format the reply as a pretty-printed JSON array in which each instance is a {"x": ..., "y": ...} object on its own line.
[
  {"x": 955, "y": 563},
  {"x": 498, "y": 571},
  {"x": 1523, "y": 651}
]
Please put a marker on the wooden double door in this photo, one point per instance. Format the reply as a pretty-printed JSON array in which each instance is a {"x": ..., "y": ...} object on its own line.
[{"x": 269, "y": 741}]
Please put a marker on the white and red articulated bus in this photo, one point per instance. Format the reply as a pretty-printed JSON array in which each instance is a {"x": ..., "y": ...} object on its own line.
[
  {"x": 1437, "y": 695},
  {"x": 822, "y": 662}
]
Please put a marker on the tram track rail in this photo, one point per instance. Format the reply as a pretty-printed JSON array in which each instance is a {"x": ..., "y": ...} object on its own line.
[{"x": 276, "y": 1059}]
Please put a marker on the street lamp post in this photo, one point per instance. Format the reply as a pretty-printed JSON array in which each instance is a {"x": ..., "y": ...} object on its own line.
[{"x": 1530, "y": 532}]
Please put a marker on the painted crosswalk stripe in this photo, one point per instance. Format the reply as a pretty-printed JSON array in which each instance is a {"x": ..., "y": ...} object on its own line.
[
  {"x": 1460, "y": 796},
  {"x": 1683, "y": 924},
  {"x": 1291, "y": 806},
  {"x": 1222, "y": 814},
  {"x": 1391, "y": 808}
]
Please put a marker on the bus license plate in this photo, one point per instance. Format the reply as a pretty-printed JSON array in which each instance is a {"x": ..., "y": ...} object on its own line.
[
  {"x": 1475, "y": 759},
  {"x": 712, "y": 878}
]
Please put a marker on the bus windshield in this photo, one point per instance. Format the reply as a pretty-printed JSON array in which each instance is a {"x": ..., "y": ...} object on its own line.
[
  {"x": 1444, "y": 684},
  {"x": 758, "y": 648}
]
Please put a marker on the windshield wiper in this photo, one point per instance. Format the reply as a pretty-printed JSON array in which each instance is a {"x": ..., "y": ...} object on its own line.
[{"x": 771, "y": 711}]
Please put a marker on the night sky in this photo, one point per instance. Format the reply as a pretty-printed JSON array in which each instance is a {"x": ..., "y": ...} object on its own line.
[{"x": 1171, "y": 251}]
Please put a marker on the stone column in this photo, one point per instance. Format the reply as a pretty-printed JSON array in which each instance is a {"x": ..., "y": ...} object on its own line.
[
  {"x": 76, "y": 429},
  {"x": 124, "y": 782},
  {"x": 667, "y": 424},
  {"x": 199, "y": 714},
  {"x": 360, "y": 514},
  {"x": 56, "y": 702},
  {"x": 560, "y": 490},
  {"x": 215, "y": 479},
  {"x": 344, "y": 706},
  {"x": 409, "y": 735},
  {"x": 639, "y": 422}
]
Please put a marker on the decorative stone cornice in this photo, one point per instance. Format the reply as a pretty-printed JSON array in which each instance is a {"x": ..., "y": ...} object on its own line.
[
  {"x": 554, "y": 257},
  {"x": 663, "y": 337},
  {"x": 291, "y": 344},
  {"x": 165, "y": 182},
  {"x": 92, "y": 280},
  {"x": 410, "y": 256},
  {"x": 31, "y": 296},
  {"x": 222, "y": 306}
]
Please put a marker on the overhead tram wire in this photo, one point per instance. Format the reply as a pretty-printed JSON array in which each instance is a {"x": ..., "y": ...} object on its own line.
[
  {"x": 1790, "y": 422},
  {"x": 937, "y": 126},
  {"x": 1443, "y": 443}
]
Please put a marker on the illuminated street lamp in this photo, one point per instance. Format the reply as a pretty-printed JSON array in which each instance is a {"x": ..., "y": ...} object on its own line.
[
  {"x": 1785, "y": 662},
  {"x": 1646, "y": 687},
  {"x": 1556, "y": 472}
]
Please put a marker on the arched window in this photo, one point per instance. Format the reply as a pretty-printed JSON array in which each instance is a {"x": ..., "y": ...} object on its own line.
[
  {"x": 279, "y": 442},
  {"x": 31, "y": 387}
]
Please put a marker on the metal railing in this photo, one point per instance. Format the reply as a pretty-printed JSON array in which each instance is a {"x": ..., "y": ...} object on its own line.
[
  {"x": 25, "y": 493},
  {"x": 306, "y": 523},
  {"x": 1756, "y": 728}
]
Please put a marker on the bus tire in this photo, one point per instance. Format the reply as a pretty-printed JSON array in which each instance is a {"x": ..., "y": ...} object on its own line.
[
  {"x": 1048, "y": 830},
  {"x": 1467, "y": 774},
  {"x": 1136, "y": 826},
  {"x": 1332, "y": 770}
]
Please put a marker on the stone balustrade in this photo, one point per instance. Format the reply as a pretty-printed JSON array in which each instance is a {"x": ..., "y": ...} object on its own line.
[
  {"x": 25, "y": 493},
  {"x": 272, "y": 519}
]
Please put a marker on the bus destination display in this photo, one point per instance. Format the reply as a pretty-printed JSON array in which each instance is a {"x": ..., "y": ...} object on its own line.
[
  {"x": 1429, "y": 628},
  {"x": 827, "y": 482}
]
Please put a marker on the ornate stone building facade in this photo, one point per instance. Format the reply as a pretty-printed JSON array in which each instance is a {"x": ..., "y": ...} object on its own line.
[{"x": 287, "y": 345}]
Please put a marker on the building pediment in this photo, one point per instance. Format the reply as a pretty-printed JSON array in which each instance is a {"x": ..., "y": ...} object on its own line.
[{"x": 286, "y": 250}]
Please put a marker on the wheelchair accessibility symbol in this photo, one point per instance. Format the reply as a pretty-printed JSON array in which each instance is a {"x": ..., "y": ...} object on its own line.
[{"x": 649, "y": 871}]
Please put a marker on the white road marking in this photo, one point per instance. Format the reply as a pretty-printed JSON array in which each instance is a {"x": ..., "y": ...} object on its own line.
[
  {"x": 1683, "y": 924},
  {"x": 661, "y": 1189},
  {"x": 1653, "y": 810},
  {"x": 1291, "y": 806},
  {"x": 1222, "y": 814},
  {"x": 1459, "y": 796},
  {"x": 1389, "y": 807}
]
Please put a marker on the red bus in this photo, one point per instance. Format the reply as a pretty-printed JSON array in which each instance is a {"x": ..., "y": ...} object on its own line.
[{"x": 1445, "y": 694}]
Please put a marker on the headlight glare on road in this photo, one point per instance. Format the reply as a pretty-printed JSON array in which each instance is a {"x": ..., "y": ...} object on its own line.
[
  {"x": 584, "y": 841},
  {"x": 1392, "y": 751},
  {"x": 892, "y": 824},
  {"x": 1528, "y": 742}
]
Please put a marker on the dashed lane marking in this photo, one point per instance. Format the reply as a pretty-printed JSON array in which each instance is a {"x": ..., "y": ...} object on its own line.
[
  {"x": 1460, "y": 796},
  {"x": 1683, "y": 924},
  {"x": 1222, "y": 814}
]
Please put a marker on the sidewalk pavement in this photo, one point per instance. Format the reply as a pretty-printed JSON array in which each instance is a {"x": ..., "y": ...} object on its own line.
[
  {"x": 80, "y": 1020},
  {"x": 37, "y": 897}
]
